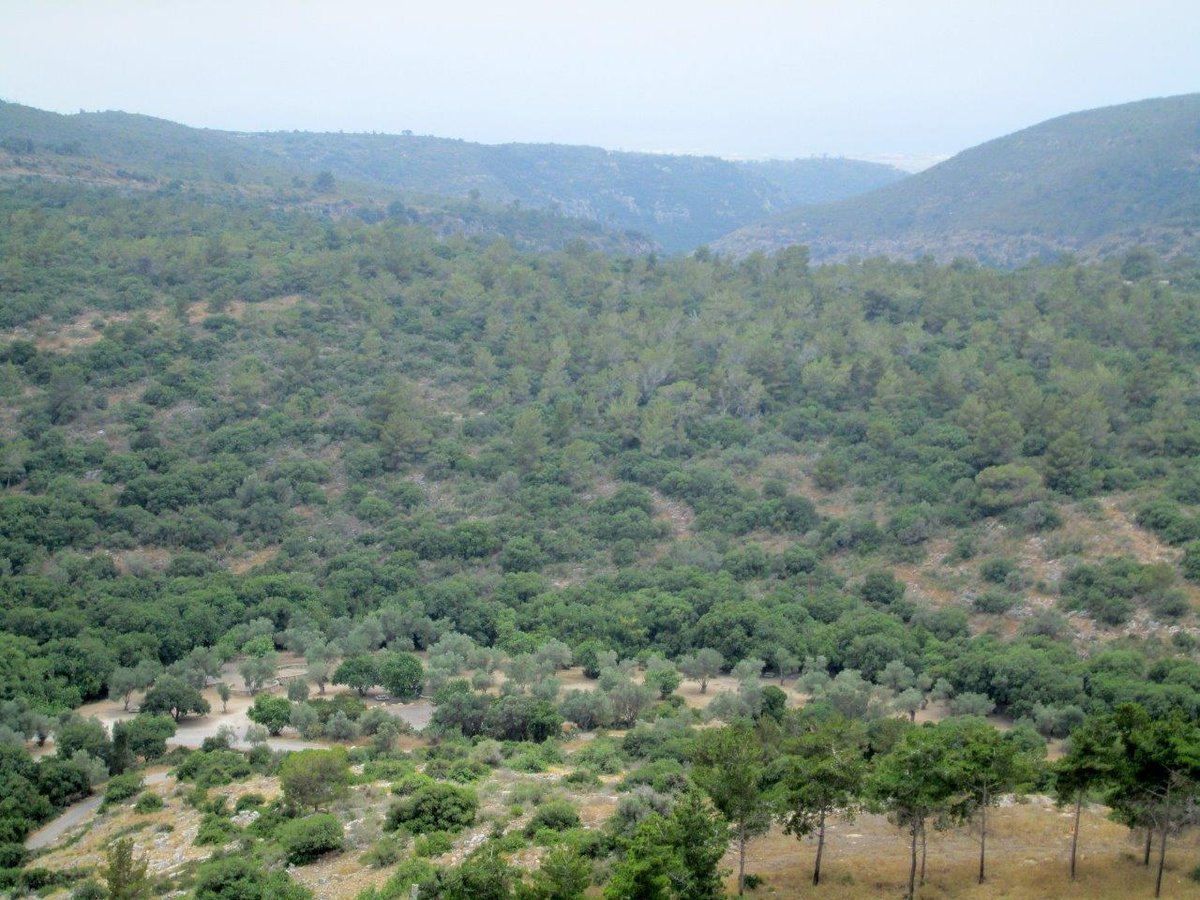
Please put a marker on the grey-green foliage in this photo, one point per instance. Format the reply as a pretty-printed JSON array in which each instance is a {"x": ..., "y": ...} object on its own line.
[
  {"x": 546, "y": 688},
  {"x": 553, "y": 654},
  {"x": 972, "y": 704},
  {"x": 256, "y": 671},
  {"x": 256, "y": 734},
  {"x": 628, "y": 701},
  {"x": 340, "y": 727},
  {"x": 587, "y": 709},
  {"x": 909, "y": 701},
  {"x": 306, "y": 721},
  {"x": 702, "y": 666},
  {"x": 127, "y": 679},
  {"x": 849, "y": 693},
  {"x": 897, "y": 676},
  {"x": 297, "y": 690},
  {"x": 729, "y": 706}
]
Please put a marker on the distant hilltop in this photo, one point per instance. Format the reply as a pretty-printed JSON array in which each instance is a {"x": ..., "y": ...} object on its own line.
[{"x": 1089, "y": 183}]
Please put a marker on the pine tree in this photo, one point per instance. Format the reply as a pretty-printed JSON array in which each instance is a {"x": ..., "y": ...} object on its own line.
[{"x": 124, "y": 874}]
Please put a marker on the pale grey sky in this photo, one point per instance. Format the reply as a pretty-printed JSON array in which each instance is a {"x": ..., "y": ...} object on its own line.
[{"x": 757, "y": 78}]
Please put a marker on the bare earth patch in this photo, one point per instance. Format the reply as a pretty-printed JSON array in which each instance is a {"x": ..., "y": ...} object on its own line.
[
  {"x": 677, "y": 514},
  {"x": 88, "y": 327},
  {"x": 253, "y": 560}
]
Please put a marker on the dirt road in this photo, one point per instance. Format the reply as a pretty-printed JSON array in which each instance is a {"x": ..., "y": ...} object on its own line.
[{"x": 50, "y": 833}]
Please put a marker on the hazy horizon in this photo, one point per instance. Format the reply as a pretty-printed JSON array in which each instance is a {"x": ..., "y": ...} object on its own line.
[{"x": 766, "y": 80}]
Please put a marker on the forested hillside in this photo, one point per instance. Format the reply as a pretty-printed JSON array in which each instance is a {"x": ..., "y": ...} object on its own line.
[
  {"x": 1092, "y": 183},
  {"x": 153, "y": 157},
  {"x": 255, "y": 451},
  {"x": 680, "y": 201}
]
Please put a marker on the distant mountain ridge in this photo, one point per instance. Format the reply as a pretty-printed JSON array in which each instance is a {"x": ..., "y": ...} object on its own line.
[
  {"x": 679, "y": 201},
  {"x": 1089, "y": 183}
]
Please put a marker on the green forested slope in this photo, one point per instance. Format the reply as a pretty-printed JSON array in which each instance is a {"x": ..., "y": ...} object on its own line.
[
  {"x": 231, "y": 428},
  {"x": 680, "y": 201},
  {"x": 1091, "y": 182},
  {"x": 437, "y": 414}
]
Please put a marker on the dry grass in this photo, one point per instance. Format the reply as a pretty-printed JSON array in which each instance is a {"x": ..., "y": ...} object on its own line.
[
  {"x": 88, "y": 327},
  {"x": 238, "y": 309},
  {"x": 61, "y": 169},
  {"x": 83, "y": 330},
  {"x": 867, "y": 857},
  {"x": 253, "y": 560},
  {"x": 932, "y": 583},
  {"x": 677, "y": 514},
  {"x": 573, "y": 679},
  {"x": 164, "y": 839},
  {"x": 1103, "y": 528},
  {"x": 1028, "y": 847},
  {"x": 794, "y": 469},
  {"x": 1118, "y": 535},
  {"x": 144, "y": 558}
]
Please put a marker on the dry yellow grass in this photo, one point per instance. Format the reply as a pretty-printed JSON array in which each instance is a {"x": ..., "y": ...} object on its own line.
[
  {"x": 87, "y": 327},
  {"x": 795, "y": 469},
  {"x": 1028, "y": 852},
  {"x": 1028, "y": 848},
  {"x": 164, "y": 839},
  {"x": 252, "y": 560},
  {"x": 677, "y": 514}
]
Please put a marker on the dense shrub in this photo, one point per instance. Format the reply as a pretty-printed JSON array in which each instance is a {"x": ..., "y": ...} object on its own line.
[
  {"x": 242, "y": 877},
  {"x": 519, "y": 718},
  {"x": 996, "y": 570},
  {"x": 994, "y": 602},
  {"x": 555, "y": 815},
  {"x": 434, "y": 807},
  {"x": 122, "y": 787},
  {"x": 215, "y": 830},
  {"x": 214, "y": 767},
  {"x": 148, "y": 802},
  {"x": 306, "y": 839}
]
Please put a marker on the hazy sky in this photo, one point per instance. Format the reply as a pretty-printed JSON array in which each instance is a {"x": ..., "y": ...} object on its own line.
[{"x": 751, "y": 78}]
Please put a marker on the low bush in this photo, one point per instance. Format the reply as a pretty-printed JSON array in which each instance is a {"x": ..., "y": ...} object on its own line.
[
  {"x": 582, "y": 778},
  {"x": 387, "y": 769},
  {"x": 434, "y": 807},
  {"x": 386, "y": 851},
  {"x": 214, "y": 767},
  {"x": 994, "y": 602},
  {"x": 149, "y": 802},
  {"x": 249, "y": 801},
  {"x": 122, "y": 787},
  {"x": 435, "y": 843},
  {"x": 554, "y": 815},
  {"x": 214, "y": 831},
  {"x": 306, "y": 839},
  {"x": 996, "y": 570}
]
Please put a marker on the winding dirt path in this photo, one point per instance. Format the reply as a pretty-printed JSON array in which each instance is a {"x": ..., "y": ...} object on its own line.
[{"x": 52, "y": 832}]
